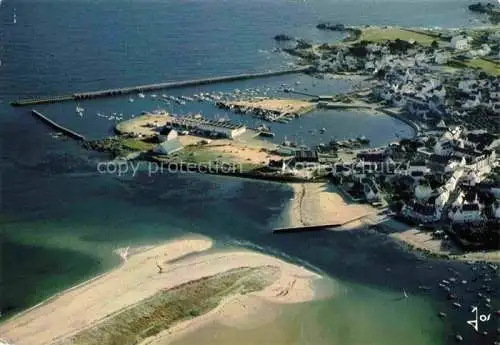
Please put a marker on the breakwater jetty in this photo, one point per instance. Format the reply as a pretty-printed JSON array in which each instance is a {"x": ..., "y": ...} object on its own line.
[
  {"x": 309, "y": 228},
  {"x": 151, "y": 87},
  {"x": 57, "y": 126}
]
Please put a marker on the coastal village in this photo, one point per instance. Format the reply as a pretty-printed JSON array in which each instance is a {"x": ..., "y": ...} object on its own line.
[{"x": 444, "y": 84}]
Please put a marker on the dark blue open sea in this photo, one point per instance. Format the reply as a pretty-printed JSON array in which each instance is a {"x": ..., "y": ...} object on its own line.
[{"x": 60, "y": 219}]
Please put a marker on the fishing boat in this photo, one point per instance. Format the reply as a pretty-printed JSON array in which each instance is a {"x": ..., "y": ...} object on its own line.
[
  {"x": 265, "y": 131},
  {"x": 267, "y": 134},
  {"x": 141, "y": 95},
  {"x": 322, "y": 130},
  {"x": 363, "y": 140}
]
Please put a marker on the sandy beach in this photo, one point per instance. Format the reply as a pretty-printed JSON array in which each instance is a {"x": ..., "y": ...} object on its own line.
[
  {"x": 279, "y": 105},
  {"x": 318, "y": 203},
  {"x": 242, "y": 152},
  {"x": 139, "y": 277}
]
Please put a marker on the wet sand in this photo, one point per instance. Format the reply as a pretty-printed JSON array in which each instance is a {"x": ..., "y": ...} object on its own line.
[
  {"x": 139, "y": 277},
  {"x": 319, "y": 203}
]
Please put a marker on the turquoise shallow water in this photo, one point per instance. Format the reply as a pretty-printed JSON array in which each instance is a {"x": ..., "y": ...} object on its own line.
[{"x": 61, "y": 220}]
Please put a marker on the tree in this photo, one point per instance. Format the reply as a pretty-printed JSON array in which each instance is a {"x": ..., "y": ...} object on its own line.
[{"x": 434, "y": 45}]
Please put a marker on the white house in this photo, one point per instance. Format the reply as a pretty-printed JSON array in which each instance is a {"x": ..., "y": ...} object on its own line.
[
  {"x": 444, "y": 145},
  {"x": 424, "y": 213},
  {"x": 483, "y": 51},
  {"x": 171, "y": 135},
  {"x": 168, "y": 147},
  {"x": 423, "y": 192},
  {"x": 467, "y": 213},
  {"x": 460, "y": 42},
  {"x": 441, "y": 58},
  {"x": 463, "y": 211}
]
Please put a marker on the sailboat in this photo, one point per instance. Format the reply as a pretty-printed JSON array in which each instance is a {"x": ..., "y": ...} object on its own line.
[{"x": 79, "y": 110}]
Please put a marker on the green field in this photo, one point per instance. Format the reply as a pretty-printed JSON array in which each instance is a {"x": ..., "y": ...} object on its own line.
[
  {"x": 376, "y": 34},
  {"x": 161, "y": 311},
  {"x": 136, "y": 144},
  {"x": 487, "y": 66}
]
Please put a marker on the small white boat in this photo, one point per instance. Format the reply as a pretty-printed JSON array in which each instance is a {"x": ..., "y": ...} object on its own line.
[
  {"x": 79, "y": 109},
  {"x": 140, "y": 95},
  {"x": 405, "y": 294},
  {"x": 131, "y": 100},
  {"x": 154, "y": 95}
]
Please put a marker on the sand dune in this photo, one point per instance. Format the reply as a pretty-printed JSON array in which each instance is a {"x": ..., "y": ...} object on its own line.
[{"x": 138, "y": 278}]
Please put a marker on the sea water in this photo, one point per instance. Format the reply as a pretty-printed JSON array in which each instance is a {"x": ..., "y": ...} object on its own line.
[{"x": 61, "y": 219}]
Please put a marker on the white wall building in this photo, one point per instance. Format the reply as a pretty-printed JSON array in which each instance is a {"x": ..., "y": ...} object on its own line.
[
  {"x": 460, "y": 42},
  {"x": 463, "y": 211},
  {"x": 441, "y": 58},
  {"x": 467, "y": 213},
  {"x": 222, "y": 128}
]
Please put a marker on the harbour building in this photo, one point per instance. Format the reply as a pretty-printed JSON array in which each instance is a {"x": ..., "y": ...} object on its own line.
[{"x": 206, "y": 127}]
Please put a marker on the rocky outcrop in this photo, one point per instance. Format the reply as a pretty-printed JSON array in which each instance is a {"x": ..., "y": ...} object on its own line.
[
  {"x": 283, "y": 38},
  {"x": 331, "y": 27},
  {"x": 481, "y": 8}
]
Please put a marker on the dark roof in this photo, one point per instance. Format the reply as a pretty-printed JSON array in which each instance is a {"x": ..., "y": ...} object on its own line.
[
  {"x": 373, "y": 157},
  {"x": 483, "y": 139},
  {"x": 424, "y": 209},
  {"x": 470, "y": 207},
  {"x": 468, "y": 151},
  {"x": 417, "y": 173},
  {"x": 456, "y": 158},
  {"x": 438, "y": 159},
  {"x": 418, "y": 163},
  {"x": 306, "y": 154}
]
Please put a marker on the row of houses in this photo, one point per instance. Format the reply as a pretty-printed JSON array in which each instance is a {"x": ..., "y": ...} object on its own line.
[{"x": 461, "y": 159}]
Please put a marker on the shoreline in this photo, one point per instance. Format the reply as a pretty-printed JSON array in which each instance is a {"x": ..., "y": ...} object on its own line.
[
  {"x": 136, "y": 279},
  {"x": 318, "y": 204}
]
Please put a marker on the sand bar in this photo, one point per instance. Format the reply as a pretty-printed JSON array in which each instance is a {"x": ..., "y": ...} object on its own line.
[
  {"x": 295, "y": 106},
  {"x": 138, "y": 278}
]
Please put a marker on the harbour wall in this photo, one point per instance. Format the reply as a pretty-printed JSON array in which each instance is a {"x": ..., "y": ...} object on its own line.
[
  {"x": 55, "y": 125},
  {"x": 151, "y": 87}
]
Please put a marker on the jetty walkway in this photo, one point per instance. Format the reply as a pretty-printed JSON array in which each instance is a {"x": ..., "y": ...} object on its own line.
[
  {"x": 308, "y": 228},
  {"x": 151, "y": 87},
  {"x": 55, "y": 125}
]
